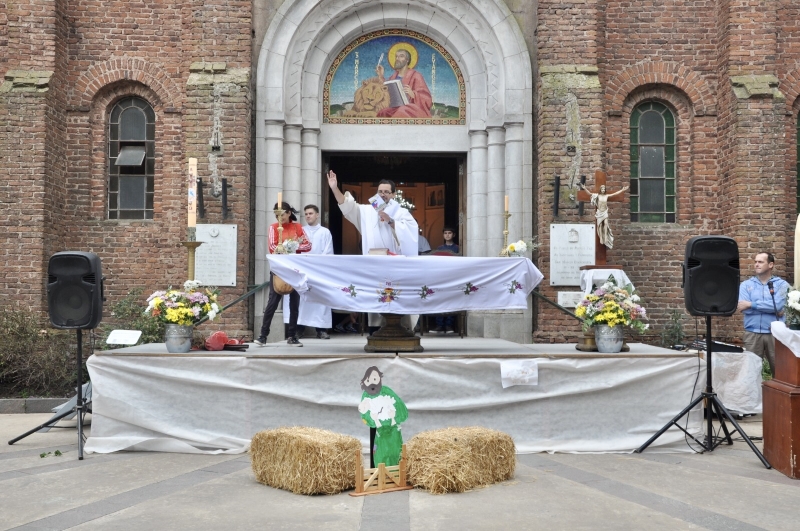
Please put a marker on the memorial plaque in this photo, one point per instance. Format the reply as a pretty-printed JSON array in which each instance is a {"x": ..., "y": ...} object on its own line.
[
  {"x": 215, "y": 260},
  {"x": 569, "y": 299},
  {"x": 571, "y": 247}
]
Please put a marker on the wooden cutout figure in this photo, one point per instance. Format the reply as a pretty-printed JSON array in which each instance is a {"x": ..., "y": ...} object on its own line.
[
  {"x": 382, "y": 409},
  {"x": 603, "y": 238}
]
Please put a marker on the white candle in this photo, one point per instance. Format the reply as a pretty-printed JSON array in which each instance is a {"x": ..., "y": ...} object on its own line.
[
  {"x": 280, "y": 200},
  {"x": 506, "y": 204},
  {"x": 192, "y": 193}
]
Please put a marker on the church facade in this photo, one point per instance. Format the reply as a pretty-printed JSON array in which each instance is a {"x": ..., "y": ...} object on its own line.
[{"x": 692, "y": 105}]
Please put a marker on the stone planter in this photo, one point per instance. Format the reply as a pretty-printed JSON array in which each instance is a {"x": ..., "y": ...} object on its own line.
[
  {"x": 178, "y": 338},
  {"x": 609, "y": 339}
]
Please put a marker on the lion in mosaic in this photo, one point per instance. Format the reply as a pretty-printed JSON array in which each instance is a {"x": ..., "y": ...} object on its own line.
[{"x": 371, "y": 97}]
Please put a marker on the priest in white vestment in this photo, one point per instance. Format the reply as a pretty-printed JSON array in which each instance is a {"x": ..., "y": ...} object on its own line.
[
  {"x": 384, "y": 227},
  {"x": 312, "y": 313}
]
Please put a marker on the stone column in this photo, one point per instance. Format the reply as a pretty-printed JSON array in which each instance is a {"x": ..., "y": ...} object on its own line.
[
  {"x": 476, "y": 194},
  {"x": 269, "y": 182},
  {"x": 496, "y": 190},
  {"x": 291, "y": 165},
  {"x": 310, "y": 191},
  {"x": 513, "y": 177}
]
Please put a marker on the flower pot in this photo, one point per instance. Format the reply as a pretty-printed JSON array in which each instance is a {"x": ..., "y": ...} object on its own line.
[
  {"x": 178, "y": 338},
  {"x": 609, "y": 339}
]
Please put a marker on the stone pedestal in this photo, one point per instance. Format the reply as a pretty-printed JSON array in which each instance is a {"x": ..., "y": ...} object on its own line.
[
  {"x": 393, "y": 337},
  {"x": 781, "y": 401}
]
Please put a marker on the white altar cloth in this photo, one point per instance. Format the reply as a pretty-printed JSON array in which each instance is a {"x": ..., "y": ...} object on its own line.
[
  {"x": 598, "y": 277},
  {"x": 409, "y": 284},
  {"x": 214, "y": 402},
  {"x": 790, "y": 338}
]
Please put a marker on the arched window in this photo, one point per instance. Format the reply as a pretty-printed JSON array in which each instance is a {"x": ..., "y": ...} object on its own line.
[
  {"x": 131, "y": 159},
  {"x": 652, "y": 163}
]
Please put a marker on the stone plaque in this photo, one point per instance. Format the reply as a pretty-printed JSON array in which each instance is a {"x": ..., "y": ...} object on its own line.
[
  {"x": 571, "y": 246},
  {"x": 569, "y": 299},
  {"x": 215, "y": 260}
]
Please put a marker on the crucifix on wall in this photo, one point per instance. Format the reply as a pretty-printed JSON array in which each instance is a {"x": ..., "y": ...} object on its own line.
[{"x": 603, "y": 239}]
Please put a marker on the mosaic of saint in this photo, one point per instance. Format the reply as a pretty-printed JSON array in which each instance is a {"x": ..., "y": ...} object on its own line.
[{"x": 394, "y": 77}]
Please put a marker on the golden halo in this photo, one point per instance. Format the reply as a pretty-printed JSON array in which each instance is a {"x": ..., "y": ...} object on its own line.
[{"x": 407, "y": 47}]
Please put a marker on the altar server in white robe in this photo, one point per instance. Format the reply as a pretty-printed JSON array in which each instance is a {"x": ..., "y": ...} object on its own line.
[
  {"x": 312, "y": 313},
  {"x": 397, "y": 232}
]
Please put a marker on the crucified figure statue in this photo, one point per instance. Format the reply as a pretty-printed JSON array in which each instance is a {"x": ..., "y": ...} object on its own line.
[{"x": 600, "y": 201}]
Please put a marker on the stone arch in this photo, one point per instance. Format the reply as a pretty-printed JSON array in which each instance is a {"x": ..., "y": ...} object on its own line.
[
  {"x": 688, "y": 81},
  {"x": 117, "y": 69},
  {"x": 487, "y": 43}
]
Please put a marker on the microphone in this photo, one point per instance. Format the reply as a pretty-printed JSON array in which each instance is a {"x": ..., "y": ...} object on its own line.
[{"x": 771, "y": 287}]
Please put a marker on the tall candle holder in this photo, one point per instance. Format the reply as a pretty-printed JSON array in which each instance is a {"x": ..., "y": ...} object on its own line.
[
  {"x": 504, "y": 252},
  {"x": 279, "y": 249},
  {"x": 191, "y": 245}
]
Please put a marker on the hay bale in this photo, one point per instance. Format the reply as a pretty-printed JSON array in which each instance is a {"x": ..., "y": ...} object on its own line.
[
  {"x": 304, "y": 460},
  {"x": 459, "y": 459}
]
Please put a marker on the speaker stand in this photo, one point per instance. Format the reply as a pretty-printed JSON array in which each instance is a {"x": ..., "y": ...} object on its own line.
[
  {"x": 79, "y": 405},
  {"x": 713, "y": 404}
]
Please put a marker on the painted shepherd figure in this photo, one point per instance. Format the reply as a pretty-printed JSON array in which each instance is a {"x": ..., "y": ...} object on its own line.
[
  {"x": 381, "y": 408},
  {"x": 403, "y": 58}
]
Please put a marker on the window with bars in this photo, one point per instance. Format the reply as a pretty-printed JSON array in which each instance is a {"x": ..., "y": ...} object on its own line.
[
  {"x": 131, "y": 159},
  {"x": 652, "y": 163}
]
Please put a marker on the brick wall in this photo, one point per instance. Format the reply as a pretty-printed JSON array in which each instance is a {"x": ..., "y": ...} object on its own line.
[
  {"x": 736, "y": 171},
  {"x": 54, "y": 146}
]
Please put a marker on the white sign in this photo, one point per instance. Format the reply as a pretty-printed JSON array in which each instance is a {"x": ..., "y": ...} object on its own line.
[
  {"x": 215, "y": 260},
  {"x": 123, "y": 337},
  {"x": 569, "y": 299},
  {"x": 571, "y": 247},
  {"x": 519, "y": 372}
]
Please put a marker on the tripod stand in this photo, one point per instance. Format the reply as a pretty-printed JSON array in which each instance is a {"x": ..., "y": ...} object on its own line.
[
  {"x": 79, "y": 405},
  {"x": 713, "y": 404}
]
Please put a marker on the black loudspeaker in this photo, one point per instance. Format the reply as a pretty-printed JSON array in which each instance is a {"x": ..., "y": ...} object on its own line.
[
  {"x": 711, "y": 275},
  {"x": 75, "y": 290}
]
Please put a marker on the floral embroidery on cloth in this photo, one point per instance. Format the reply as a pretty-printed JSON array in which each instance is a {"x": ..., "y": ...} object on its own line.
[
  {"x": 351, "y": 289},
  {"x": 424, "y": 291},
  {"x": 513, "y": 286},
  {"x": 469, "y": 287}
]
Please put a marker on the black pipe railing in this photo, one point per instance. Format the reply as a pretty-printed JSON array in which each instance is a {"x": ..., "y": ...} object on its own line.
[{"x": 238, "y": 300}]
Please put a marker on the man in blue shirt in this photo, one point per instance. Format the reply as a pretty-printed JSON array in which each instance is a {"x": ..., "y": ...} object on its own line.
[{"x": 761, "y": 300}]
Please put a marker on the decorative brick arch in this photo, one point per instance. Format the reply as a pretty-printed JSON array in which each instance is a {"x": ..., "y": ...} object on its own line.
[
  {"x": 669, "y": 73},
  {"x": 790, "y": 86},
  {"x": 118, "y": 69}
]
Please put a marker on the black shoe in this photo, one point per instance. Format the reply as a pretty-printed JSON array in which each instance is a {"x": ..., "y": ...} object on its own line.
[
  {"x": 261, "y": 341},
  {"x": 438, "y": 329},
  {"x": 323, "y": 335},
  {"x": 449, "y": 329},
  {"x": 293, "y": 342}
]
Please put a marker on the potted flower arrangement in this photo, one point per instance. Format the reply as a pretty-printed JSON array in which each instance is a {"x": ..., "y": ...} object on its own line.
[
  {"x": 792, "y": 309},
  {"x": 181, "y": 310},
  {"x": 519, "y": 248},
  {"x": 608, "y": 309}
]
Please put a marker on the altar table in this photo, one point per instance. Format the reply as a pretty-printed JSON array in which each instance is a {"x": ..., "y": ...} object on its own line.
[{"x": 409, "y": 285}]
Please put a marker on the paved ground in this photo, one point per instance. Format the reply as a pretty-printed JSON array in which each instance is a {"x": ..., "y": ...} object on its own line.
[{"x": 727, "y": 489}]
